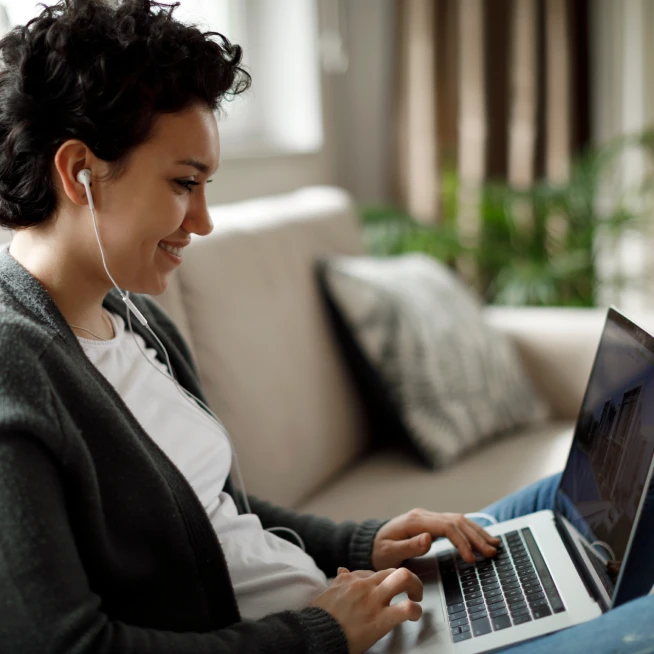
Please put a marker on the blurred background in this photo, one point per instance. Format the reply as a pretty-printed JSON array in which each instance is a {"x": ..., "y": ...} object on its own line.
[{"x": 510, "y": 138}]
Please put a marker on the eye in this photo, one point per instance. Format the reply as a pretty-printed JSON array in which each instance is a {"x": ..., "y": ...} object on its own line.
[{"x": 188, "y": 184}]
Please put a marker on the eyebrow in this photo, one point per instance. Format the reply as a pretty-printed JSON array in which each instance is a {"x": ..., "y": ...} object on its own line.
[{"x": 201, "y": 166}]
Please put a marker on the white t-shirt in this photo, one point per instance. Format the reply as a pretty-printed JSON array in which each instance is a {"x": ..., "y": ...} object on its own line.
[{"x": 268, "y": 573}]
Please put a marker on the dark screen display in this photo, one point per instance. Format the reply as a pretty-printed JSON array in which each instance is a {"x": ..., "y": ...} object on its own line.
[{"x": 610, "y": 457}]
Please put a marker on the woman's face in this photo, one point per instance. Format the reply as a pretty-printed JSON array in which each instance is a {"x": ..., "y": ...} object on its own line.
[{"x": 158, "y": 199}]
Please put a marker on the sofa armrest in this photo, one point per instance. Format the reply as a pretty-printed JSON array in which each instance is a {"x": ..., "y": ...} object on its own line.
[{"x": 557, "y": 346}]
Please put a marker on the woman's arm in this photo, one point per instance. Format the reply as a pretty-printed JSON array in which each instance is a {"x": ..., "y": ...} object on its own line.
[
  {"x": 331, "y": 545},
  {"x": 47, "y": 606}
]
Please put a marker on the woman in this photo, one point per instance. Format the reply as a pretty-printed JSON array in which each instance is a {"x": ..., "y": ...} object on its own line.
[{"x": 119, "y": 531}]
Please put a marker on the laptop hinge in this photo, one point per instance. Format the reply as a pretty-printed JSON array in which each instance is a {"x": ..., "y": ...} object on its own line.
[{"x": 580, "y": 564}]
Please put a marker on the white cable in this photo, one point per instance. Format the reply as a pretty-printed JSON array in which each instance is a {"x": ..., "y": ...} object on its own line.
[
  {"x": 606, "y": 546},
  {"x": 486, "y": 516},
  {"x": 184, "y": 392}
]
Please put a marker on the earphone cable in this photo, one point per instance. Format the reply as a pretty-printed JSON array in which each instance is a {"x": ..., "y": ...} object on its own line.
[{"x": 85, "y": 181}]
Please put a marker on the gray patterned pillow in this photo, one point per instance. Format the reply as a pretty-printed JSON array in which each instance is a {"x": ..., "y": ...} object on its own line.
[{"x": 454, "y": 380}]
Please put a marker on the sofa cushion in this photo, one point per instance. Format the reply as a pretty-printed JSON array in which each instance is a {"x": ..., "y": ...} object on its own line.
[
  {"x": 388, "y": 482},
  {"x": 452, "y": 380},
  {"x": 268, "y": 361}
]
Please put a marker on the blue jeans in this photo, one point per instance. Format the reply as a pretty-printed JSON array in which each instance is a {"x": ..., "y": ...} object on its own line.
[{"x": 628, "y": 628}]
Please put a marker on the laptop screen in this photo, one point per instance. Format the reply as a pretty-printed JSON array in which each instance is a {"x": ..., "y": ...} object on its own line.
[{"x": 611, "y": 454}]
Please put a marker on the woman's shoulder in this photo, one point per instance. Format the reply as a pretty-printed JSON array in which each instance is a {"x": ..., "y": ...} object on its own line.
[{"x": 22, "y": 337}]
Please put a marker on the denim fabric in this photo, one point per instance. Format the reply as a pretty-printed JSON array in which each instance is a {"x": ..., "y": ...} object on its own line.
[{"x": 628, "y": 628}]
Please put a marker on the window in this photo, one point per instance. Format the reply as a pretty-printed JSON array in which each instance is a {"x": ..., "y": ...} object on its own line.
[{"x": 281, "y": 113}]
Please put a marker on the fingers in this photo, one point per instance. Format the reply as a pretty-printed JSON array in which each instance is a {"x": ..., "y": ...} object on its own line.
[
  {"x": 360, "y": 574},
  {"x": 477, "y": 540},
  {"x": 406, "y": 610},
  {"x": 392, "y": 582},
  {"x": 460, "y": 541},
  {"x": 466, "y": 537},
  {"x": 491, "y": 540}
]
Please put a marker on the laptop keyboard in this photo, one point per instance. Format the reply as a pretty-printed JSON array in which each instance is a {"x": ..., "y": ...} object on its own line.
[{"x": 512, "y": 588}]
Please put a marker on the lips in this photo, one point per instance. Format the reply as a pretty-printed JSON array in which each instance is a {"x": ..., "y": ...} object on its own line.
[{"x": 177, "y": 251}]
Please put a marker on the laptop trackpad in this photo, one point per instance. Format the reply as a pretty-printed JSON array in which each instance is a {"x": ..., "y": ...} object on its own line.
[{"x": 430, "y": 630}]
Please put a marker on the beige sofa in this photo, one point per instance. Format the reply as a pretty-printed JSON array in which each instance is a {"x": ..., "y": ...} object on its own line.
[{"x": 246, "y": 300}]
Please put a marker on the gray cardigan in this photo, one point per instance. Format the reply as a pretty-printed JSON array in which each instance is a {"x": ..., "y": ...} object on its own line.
[{"x": 104, "y": 546}]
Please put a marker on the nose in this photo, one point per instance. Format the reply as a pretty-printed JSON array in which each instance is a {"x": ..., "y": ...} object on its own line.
[{"x": 198, "y": 219}]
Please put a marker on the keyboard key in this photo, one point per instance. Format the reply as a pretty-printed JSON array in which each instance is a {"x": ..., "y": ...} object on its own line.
[
  {"x": 501, "y": 622},
  {"x": 458, "y": 623},
  {"x": 495, "y": 602},
  {"x": 464, "y": 636},
  {"x": 475, "y": 595},
  {"x": 535, "y": 605},
  {"x": 475, "y": 602},
  {"x": 458, "y": 615},
  {"x": 480, "y": 613},
  {"x": 521, "y": 611},
  {"x": 521, "y": 619},
  {"x": 514, "y": 592},
  {"x": 488, "y": 574},
  {"x": 542, "y": 612},
  {"x": 498, "y": 612},
  {"x": 480, "y": 627},
  {"x": 535, "y": 596},
  {"x": 555, "y": 601},
  {"x": 456, "y": 607},
  {"x": 509, "y": 586},
  {"x": 493, "y": 593},
  {"x": 489, "y": 587},
  {"x": 460, "y": 630},
  {"x": 450, "y": 599},
  {"x": 517, "y": 599},
  {"x": 527, "y": 576},
  {"x": 531, "y": 583}
]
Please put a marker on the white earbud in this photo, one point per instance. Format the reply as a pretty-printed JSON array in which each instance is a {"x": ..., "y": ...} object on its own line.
[{"x": 84, "y": 176}]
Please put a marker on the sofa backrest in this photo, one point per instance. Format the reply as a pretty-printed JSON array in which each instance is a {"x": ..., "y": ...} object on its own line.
[{"x": 247, "y": 301}]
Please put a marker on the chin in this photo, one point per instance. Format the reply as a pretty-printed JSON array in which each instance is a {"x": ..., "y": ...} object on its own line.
[{"x": 150, "y": 287}]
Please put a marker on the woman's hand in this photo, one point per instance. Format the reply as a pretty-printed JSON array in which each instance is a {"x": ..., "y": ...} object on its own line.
[
  {"x": 411, "y": 535},
  {"x": 360, "y": 602}
]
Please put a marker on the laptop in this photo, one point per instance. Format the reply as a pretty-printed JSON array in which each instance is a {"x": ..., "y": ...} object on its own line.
[{"x": 555, "y": 569}]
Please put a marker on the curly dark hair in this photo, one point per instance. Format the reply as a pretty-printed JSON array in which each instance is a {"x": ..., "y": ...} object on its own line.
[{"x": 86, "y": 70}]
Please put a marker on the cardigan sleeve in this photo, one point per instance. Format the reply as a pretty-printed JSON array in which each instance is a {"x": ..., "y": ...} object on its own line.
[
  {"x": 47, "y": 606},
  {"x": 347, "y": 544}
]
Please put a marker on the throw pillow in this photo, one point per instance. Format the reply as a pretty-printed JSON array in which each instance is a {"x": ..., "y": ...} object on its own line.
[{"x": 436, "y": 372}]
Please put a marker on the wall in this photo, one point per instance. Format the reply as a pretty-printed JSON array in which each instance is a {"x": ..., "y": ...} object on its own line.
[
  {"x": 622, "y": 83},
  {"x": 357, "y": 109}
]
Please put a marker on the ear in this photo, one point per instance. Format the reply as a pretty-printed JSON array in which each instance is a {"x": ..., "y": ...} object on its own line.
[{"x": 72, "y": 157}]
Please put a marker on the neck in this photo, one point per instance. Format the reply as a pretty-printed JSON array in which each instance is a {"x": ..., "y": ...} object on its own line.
[{"x": 72, "y": 283}]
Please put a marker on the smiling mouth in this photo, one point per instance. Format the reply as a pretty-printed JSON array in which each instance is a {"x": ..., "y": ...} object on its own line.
[{"x": 169, "y": 248}]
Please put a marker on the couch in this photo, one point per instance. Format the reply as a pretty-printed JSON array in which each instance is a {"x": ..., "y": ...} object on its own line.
[{"x": 246, "y": 300}]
